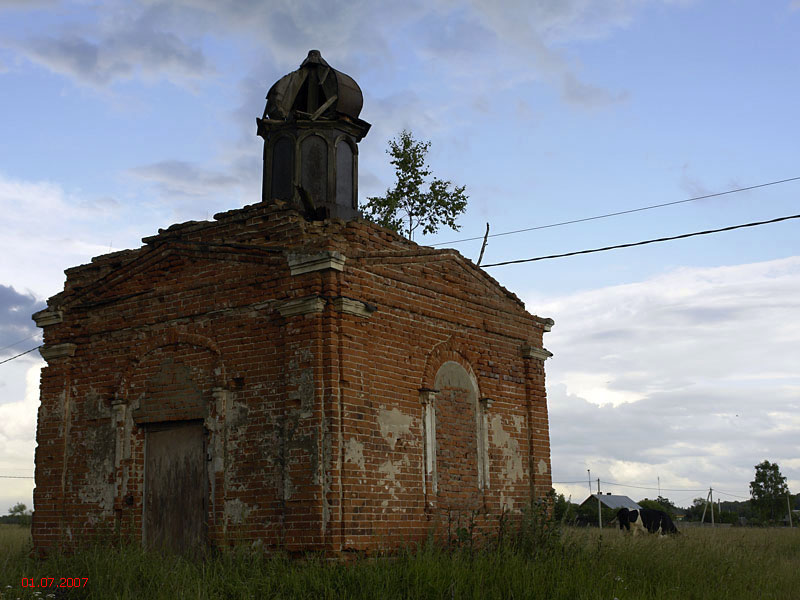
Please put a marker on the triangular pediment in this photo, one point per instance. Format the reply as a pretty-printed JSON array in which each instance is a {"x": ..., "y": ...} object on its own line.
[
  {"x": 445, "y": 272},
  {"x": 151, "y": 269}
]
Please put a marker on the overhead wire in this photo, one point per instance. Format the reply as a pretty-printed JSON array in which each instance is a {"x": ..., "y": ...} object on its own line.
[
  {"x": 622, "y": 212},
  {"x": 642, "y": 487},
  {"x": 18, "y": 342},
  {"x": 585, "y": 481},
  {"x": 20, "y": 354},
  {"x": 643, "y": 243},
  {"x": 724, "y": 493},
  {"x": 652, "y": 488}
]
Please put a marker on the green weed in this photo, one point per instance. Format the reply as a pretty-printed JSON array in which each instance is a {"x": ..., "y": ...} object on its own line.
[{"x": 531, "y": 558}]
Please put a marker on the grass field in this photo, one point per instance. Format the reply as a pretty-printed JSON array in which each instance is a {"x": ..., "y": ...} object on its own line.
[{"x": 570, "y": 564}]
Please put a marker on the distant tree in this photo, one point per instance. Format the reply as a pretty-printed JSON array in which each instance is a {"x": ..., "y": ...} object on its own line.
[
  {"x": 19, "y": 513},
  {"x": 727, "y": 516},
  {"x": 564, "y": 510},
  {"x": 768, "y": 491},
  {"x": 695, "y": 511},
  {"x": 407, "y": 206},
  {"x": 661, "y": 503},
  {"x": 589, "y": 512}
]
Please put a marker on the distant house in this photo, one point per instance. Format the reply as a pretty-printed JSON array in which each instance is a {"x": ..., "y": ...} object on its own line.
[{"x": 612, "y": 501}]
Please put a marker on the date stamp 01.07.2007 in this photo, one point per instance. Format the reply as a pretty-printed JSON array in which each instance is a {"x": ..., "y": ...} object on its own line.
[{"x": 47, "y": 583}]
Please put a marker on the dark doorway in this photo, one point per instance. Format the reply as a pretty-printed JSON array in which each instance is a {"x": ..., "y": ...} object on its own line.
[{"x": 176, "y": 497}]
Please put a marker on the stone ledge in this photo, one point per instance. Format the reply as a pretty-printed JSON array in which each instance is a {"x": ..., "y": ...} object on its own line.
[
  {"x": 46, "y": 317},
  {"x": 301, "y": 306},
  {"x": 57, "y": 351},
  {"x": 321, "y": 261},
  {"x": 539, "y": 353},
  {"x": 353, "y": 307}
]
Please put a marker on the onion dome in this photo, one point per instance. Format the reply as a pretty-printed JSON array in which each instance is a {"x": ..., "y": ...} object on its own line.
[
  {"x": 311, "y": 130},
  {"x": 314, "y": 91}
]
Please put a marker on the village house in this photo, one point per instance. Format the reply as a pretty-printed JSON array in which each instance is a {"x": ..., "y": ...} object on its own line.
[{"x": 287, "y": 374}]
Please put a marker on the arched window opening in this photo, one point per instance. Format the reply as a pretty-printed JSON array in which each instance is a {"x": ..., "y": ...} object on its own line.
[
  {"x": 344, "y": 175},
  {"x": 314, "y": 168},
  {"x": 282, "y": 167}
]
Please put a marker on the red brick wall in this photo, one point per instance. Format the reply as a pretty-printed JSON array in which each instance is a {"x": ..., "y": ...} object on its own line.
[{"x": 315, "y": 425}]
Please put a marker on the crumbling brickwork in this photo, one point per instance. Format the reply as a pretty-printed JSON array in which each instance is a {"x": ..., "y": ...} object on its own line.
[{"x": 343, "y": 388}]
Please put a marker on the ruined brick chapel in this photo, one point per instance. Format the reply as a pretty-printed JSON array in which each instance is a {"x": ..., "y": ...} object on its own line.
[{"x": 287, "y": 374}]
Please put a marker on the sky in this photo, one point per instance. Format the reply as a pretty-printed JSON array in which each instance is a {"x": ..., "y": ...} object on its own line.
[{"x": 675, "y": 364}]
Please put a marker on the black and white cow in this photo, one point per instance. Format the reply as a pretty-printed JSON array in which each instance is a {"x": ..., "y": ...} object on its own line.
[{"x": 645, "y": 519}]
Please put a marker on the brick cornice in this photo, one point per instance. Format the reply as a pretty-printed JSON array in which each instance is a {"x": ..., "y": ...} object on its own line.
[
  {"x": 48, "y": 316},
  {"x": 57, "y": 351},
  {"x": 320, "y": 261},
  {"x": 353, "y": 307},
  {"x": 301, "y": 306},
  {"x": 538, "y": 353}
]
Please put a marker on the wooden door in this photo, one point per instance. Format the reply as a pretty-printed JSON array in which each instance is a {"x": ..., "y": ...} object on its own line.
[{"x": 176, "y": 496}]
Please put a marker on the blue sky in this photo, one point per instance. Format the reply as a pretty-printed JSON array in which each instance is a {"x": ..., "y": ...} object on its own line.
[{"x": 117, "y": 118}]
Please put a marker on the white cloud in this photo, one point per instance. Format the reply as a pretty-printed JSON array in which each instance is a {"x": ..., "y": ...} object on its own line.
[
  {"x": 176, "y": 177},
  {"x": 57, "y": 230},
  {"x": 17, "y": 440},
  {"x": 125, "y": 41},
  {"x": 153, "y": 39},
  {"x": 16, "y": 326},
  {"x": 690, "y": 375},
  {"x": 25, "y": 4}
]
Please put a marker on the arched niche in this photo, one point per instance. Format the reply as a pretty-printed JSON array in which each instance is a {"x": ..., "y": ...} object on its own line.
[
  {"x": 282, "y": 169},
  {"x": 345, "y": 174},
  {"x": 314, "y": 168},
  {"x": 460, "y": 439}
]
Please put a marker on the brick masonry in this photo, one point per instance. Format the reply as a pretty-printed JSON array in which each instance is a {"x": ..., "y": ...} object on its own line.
[{"x": 356, "y": 390}]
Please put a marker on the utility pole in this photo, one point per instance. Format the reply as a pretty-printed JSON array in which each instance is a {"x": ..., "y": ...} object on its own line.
[
  {"x": 789, "y": 506},
  {"x": 599, "y": 507},
  {"x": 659, "y": 486},
  {"x": 711, "y": 495},
  {"x": 705, "y": 508},
  {"x": 709, "y": 502},
  {"x": 589, "y": 473}
]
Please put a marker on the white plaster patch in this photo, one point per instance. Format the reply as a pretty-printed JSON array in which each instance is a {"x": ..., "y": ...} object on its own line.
[
  {"x": 236, "y": 511},
  {"x": 390, "y": 470},
  {"x": 393, "y": 424},
  {"x": 542, "y": 466},
  {"x": 511, "y": 470},
  {"x": 354, "y": 453}
]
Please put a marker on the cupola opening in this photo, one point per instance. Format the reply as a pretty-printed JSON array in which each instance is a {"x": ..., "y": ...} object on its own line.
[{"x": 311, "y": 129}]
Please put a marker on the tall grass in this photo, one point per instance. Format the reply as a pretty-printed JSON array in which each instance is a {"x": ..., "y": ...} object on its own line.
[{"x": 537, "y": 561}]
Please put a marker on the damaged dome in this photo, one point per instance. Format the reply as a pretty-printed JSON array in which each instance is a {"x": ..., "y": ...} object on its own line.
[{"x": 314, "y": 91}]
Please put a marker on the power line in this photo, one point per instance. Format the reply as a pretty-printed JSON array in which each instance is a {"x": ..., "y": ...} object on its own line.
[
  {"x": 729, "y": 494},
  {"x": 622, "y": 212},
  {"x": 643, "y": 487},
  {"x": 15, "y": 477},
  {"x": 20, "y": 354},
  {"x": 584, "y": 481},
  {"x": 643, "y": 243},
  {"x": 640, "y": 487},
  {"x": 19, "y": 342}
]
